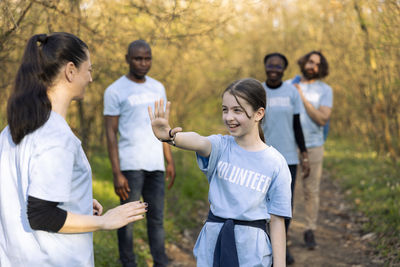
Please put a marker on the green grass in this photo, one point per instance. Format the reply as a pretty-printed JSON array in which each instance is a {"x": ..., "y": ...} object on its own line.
[
  {"x": 187, "y": 196},
  {"x": 372, "y": 184}
]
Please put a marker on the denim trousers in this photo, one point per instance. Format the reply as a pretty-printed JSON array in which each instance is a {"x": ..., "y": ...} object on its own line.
[{"x": 150, "y": 185}]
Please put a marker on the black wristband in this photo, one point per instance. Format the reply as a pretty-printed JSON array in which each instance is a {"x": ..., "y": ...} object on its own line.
[{"x": 170, "y": 141}]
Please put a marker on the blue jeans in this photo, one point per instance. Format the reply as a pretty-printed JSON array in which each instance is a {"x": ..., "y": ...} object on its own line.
[{"x": 150, "y": 185}]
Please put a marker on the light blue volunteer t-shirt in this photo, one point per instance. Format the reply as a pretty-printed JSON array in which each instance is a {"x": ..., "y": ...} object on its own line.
[
  {"x": 244, "y": 185},
  {"x": 138, "y": 148},
  {"x": 282, "y": 104},
  {"x": 318, "y": 94}
]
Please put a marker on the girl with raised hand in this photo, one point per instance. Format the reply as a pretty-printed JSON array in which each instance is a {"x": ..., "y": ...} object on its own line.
[
  {"x": 249, "y": 181},
  {"x": 47, "y": 212}
]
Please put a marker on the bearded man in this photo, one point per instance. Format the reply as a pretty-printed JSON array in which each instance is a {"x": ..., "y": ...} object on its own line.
[{"x": 315, "y": 112}]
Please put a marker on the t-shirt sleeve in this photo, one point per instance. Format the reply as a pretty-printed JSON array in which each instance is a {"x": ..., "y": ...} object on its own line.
[
  {"x": 296, "y": 102},
  {"x": 111, "y": 103},
  {"x": 208, "y": 164},
  {"x": 327, "y": 97},
  {"x": 50, "y": 174},
  {"x": 279, "y": 193},
  {"x": 163, "y": 94}
]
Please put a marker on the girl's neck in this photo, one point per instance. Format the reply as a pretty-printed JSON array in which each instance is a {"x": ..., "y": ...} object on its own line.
[{"x": 251, "y": 141}]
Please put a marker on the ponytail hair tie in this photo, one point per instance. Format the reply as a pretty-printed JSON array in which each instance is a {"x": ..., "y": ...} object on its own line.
[{"x": 42, "y": 38}]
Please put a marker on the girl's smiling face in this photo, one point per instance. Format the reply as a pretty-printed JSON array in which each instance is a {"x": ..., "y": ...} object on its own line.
[{"x": 238, "y": 118}]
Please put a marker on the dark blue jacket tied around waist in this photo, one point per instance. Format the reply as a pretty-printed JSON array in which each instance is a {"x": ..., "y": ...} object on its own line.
[{"x": 225, "y": 253}]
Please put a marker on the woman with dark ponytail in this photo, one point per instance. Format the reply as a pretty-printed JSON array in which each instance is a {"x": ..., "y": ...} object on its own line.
[{"x": 47, "y": 212}]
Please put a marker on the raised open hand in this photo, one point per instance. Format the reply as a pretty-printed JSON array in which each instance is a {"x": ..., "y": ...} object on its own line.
[{"x": 159, "y": 121}]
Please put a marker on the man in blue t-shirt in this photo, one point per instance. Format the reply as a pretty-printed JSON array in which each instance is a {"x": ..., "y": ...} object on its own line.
[
  {"x": 315, "y": 112},
  {"x": 137, "y": 155}
]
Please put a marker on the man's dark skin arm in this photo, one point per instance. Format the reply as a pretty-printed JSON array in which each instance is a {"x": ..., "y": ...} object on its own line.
[
  {"x": 121, "y": 185},
  {"x": 170, "y": 169}
]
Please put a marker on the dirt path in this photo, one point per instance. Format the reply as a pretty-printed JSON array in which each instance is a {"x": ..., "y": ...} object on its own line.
[
  {"x": 339, "y": 237},
  {"x": 340, "y": 240}
]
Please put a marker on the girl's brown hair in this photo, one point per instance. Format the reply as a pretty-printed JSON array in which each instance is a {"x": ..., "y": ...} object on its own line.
[{"x": 253, "y": 92}]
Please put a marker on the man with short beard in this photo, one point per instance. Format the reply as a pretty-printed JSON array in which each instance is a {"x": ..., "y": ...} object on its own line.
[{"x": 317, "y": 101}]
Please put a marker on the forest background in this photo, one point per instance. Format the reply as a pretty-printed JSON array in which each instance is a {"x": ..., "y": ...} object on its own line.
[{"x": 201, "y": 46}]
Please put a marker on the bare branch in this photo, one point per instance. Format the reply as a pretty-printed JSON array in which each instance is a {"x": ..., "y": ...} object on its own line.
[
  {"x": 48, "y": 5},
  {"x": 4, "y": 36}
]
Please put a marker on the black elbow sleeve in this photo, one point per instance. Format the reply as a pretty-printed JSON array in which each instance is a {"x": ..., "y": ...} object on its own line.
[
  {"x": 45, "y": 215},
  {"x": 298, "y": 133}
]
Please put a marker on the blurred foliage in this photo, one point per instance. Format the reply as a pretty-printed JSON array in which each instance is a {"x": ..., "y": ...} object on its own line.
[{"x": 200, "y": 46}]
